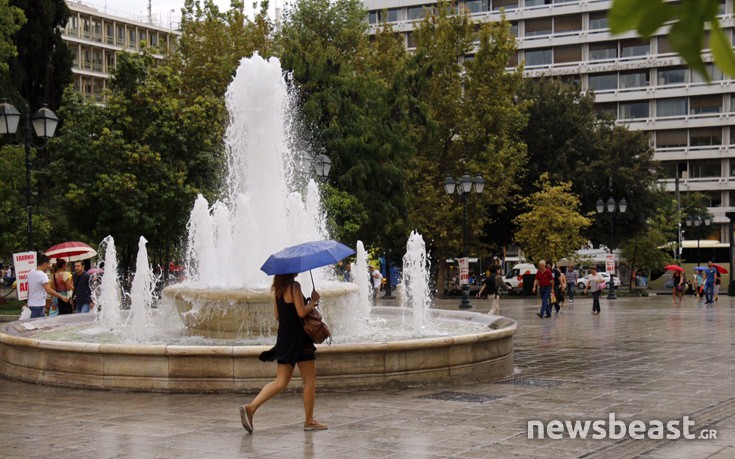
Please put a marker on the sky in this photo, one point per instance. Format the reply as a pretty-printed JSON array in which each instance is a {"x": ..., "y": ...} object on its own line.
[{"x": 161, "y": 9}]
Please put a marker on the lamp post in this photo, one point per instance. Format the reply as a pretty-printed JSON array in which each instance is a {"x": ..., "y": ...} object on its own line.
[
  {"x": 697, "y": 221},
  {"x": 610, "y": 207},
  {"x": 44, "y": 125},
  {"x": 322, "y": 165},
  {"x": 463, "y": 187}
]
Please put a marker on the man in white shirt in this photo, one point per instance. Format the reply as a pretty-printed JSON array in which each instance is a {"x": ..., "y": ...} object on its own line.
[
  {"x": 38, "y": 287},
  {"x": 377, "y": 280}
]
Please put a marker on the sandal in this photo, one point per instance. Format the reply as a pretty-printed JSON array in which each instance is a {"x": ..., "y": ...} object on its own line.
[
  {"x": 316, "y": 425},
  {"x": 247, "y": 420}
]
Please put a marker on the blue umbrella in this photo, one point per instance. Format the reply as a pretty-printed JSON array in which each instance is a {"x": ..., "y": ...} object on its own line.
[
  {"x": 305, "y": 257},
  {"x": 700, "y": 268}
]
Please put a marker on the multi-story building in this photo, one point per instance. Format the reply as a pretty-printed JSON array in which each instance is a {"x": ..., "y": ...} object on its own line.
[
  {"x": 642, "y": 82},
  {"x": 96, "y": 37}
]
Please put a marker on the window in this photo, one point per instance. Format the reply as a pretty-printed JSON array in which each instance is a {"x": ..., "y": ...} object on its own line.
[
  {"x": 598, "y": 20},
  {"x": 714, "y": 73},
  {"x": 110, "y": 61},
  {"x": 507, "y": 4},
  {"x": 97, "y": 31},
  {"x": 663, "y": 46},
  {"x": 705, "y": 168},
  {"x": 514, "y": 29},
  {"x": 373, "y": 17},
  {"x": 721, "y": 8},
  {"x": 634, "y": 48},
  {"x": 529, "y": 3},
  {"x": 672, "y": 76},
  {"x": 671, "y": 107},
  {"x": 563, "y": 24},
  {"x": 573, "y": 80},
  {"x": 604, "y": 81},
  {"x": 731, "y": 193},
  {"x": 72, "y": 27},
  {"x": 671, "y": 138},
  {"x": 143, "y": 35},
  {"x": 715, "y": 198},
  {"x": 536, "y": 27},
  {"x": 86, "y": 27},
  {"x": 411, "y": 40},
  {"x": 702, "y": 137},
  {"x": 415, "y": 12},
  {"x": 391, "y": 15},
  {"x": 603, "y": 51},
  {"x": 109, "y": 34},
  {"x": 633, "y": 79},
  {"x": 131, "y": 38},
  {"x": 475, "y": 6},
  {"x": 701, "y": 105},
  {"x": 606, "y": 110},
  {"x": 669, "y": 169},
  {"x": 633, "y": 110},
  {"x": 513, "y": 60},
  {"x": 120, "y": 35},
  {"x": 74, "y": 56},
  {"x": 153, "y": 37},
  {"x": 538, "y": 57},
  {"x": 563, "y": 54}
]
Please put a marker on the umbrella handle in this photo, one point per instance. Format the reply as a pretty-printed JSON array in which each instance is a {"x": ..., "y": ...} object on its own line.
[{"x": 313, "y": 287}]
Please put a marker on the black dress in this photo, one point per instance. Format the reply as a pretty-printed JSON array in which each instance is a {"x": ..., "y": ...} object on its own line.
[{"x": 293, "y": 344}]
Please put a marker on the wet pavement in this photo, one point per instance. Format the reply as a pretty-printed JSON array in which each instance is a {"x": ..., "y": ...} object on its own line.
[{"x": 641, "y": 359}]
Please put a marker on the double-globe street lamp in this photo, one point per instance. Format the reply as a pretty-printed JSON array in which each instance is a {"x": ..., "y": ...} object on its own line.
[
  {"x": 44, "y": 125},
  {"x": 610, "y": 206},
  {"x": 697, "y": 221},
  {"x": 464, "y": 187}
]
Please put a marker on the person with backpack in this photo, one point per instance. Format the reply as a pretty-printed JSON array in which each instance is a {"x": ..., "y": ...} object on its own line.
[{"x": 492, "y": 287}]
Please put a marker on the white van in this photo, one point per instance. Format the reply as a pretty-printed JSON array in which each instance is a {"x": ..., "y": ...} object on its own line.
[{"x": 514, "y": 278}]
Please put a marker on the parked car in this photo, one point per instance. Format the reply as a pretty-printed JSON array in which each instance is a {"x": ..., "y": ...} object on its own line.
[
  {"x": 514, "y": 278},
  {"x": 584, "y": 281}
]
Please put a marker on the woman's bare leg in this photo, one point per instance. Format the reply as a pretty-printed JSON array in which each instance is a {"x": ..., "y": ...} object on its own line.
[
  {"x": 308, "y": 374},
  {"x": 273, "y": 388}
]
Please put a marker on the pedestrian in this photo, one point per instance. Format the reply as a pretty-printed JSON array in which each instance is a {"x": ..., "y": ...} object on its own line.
[
  {"x": 491, "y": 288},
  {"x": 82, "y": 296},
  {"x": 699, "y": 284},
  {"x": 62, "y": 280},
  {"x": 377, "y": 279},
  {"x": 347, "y": 275},
  {"x": 718, "y": 282},
  {"x": 38, "y": 287},
  {"x": 293, "y": 347},
  {"x": 677, "y": 282},
  {"x": 571, "y": 283},
  {"x": 560, "y": 283},
  {"x": 542, "y": 283},
  {"x": 595, "y": 285},
  {"x": 709, "y": 283}
]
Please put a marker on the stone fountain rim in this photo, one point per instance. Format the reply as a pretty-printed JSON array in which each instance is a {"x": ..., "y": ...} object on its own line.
[{"x": 508, "y": 327}]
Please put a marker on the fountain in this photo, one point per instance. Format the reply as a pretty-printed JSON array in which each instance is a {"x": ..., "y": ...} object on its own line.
[{"x": 223, "y": 314}]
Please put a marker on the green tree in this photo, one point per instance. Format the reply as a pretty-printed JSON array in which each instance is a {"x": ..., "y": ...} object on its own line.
[
  {"x": 687, "y": 35},
  {"x": 552, "y": 227},
  {"x": 567, "y": 140},
  {"x": 134, "y": 166},
  {"x": 353, "y": 107},
  {"x": 213, "y": 42},
  {"x": 465, "y": 121},
  {"x": 11, "y": 20}
]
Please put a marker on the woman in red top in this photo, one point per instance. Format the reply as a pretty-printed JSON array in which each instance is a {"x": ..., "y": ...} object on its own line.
[{"x": 543, "y": 282}]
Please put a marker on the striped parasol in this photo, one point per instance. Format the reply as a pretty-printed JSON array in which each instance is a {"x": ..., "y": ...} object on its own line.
[{"x": 70, "y": 251}]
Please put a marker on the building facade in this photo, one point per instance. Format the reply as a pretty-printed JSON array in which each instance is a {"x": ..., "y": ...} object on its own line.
[
  {"x": 643, "y": 83},
  {"x": 95, "y": 38}
]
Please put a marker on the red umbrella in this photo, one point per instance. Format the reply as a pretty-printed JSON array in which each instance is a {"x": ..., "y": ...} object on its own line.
[
  {"x": 720, "y": 269},
  {"x": 71, "y": 251},
  {"x": 674, "y": 268}
]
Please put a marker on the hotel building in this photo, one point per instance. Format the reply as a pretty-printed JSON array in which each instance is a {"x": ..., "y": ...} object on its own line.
[
  {"x": 643, "y": 83},
  {"x": 95, "y": 38}
]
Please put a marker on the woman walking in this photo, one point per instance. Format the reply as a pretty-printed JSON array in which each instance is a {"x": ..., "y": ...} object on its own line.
[
  {"x": 677, "y": 291},
  {"x": 62, "y": 281},
  {"x": 293, "y": 347},
  {"x": 595, "y": 285}
]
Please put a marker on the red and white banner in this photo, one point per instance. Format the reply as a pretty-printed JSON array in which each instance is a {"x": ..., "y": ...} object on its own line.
[
  {"x": 464, "y": 271},
  {"x": 610, "y": 264},
  {"x": 24, "y": 263}
]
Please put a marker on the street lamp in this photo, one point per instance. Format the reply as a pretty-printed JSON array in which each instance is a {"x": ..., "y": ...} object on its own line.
[
  {"x": 322, "y": 165},
  {"x": 610, "y": 207},
  {"x": 44, "y": 125},
  {"x": 464, "y": 187},
  {"x": 697, "y": 221}
]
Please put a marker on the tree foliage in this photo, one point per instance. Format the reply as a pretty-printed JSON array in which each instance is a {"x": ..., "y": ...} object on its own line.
[
  {"x": 552, "y": 227},
  {"x": 11, "y": 20},
  {"x": 687, "y": 35},
  {"x": 466, "y": 121}
]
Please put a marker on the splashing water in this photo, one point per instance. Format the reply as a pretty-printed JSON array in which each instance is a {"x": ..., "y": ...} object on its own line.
[
  {"x": 141, "y": 295},
  {"x": 361, "y": 277},
  {"x": 109, "y": 300},
  {"x": 264, "y": 209},
  {"x": 417, "y": 294}
]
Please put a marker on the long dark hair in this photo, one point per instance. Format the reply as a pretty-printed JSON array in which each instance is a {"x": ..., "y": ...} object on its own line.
[
  {"x": 281, "y": 283},
  {"x": 60, "y": 263}
]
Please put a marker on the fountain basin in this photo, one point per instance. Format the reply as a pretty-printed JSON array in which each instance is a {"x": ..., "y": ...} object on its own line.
[
  {"x": 483, "y": 356},
  {"x": 235, "y": 312}
]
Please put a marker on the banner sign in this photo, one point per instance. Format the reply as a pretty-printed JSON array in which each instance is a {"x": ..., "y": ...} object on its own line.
[
  {"x": 610, "y": 264},
  {"x": 24, "y": 263},
  {"x": 464, "y": 271}
]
